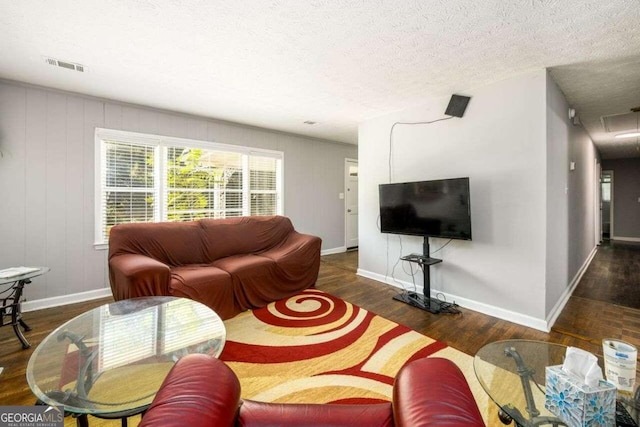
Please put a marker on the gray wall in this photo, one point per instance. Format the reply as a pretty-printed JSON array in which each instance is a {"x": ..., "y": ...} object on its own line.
[
  {"x": 626, "y": 193},
  {"x": 500, "y": 144},
  {"x": 557, "y": 222},
  {"x": 583, "y": 183},
  {"x": 571, "y": 202},
  {"x": 47, "y": 179},
  {"x": 533, "y": 223}
]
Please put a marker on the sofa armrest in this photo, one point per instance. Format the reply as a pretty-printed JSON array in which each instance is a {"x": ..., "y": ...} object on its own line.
[
  {"x": 133, "y": 275},
  {"x": 200, "y": 390},
  {"x": 433, "y": 392},
  {"x": 299, "y": 256}
]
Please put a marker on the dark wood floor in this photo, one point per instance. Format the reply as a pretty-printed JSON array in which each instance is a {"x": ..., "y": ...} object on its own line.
[
  {"x": 467, "y": 332},
  {"x": 584, "y": 322},
  {"x": 611, "y": 279}
]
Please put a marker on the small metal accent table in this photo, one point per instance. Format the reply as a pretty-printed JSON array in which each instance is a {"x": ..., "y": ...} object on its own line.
[
  {"x": 11, "y": 289},
  {"x": 512, "y": 372},
  {"x": 110, "y": 361}
]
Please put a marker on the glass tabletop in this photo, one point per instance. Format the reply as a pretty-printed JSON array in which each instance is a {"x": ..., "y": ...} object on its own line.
[
  {"x": 16, "y": 274},
  {"x": 512, "y": 372},
  {"x": 113, "y": 359},
  {"x": 496, "y": 367}
]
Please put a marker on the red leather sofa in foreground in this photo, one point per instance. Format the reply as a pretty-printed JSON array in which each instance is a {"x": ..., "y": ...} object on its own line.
[
  {"x": 203, "y": 391},
  {"x": 230, "y": 265}
]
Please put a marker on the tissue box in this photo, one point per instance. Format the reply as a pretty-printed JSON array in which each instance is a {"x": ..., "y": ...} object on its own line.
[{"x": 576, "y": 403}]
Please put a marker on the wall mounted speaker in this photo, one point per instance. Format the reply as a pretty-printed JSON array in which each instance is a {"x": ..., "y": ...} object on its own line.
[{"x": 457, "y": 105}]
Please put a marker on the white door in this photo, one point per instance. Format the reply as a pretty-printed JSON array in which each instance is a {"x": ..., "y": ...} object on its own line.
[
  {"x": 606, "y": 203},
  {"x": 598, "y": 203},
  {"x": 351, "y": 203}
]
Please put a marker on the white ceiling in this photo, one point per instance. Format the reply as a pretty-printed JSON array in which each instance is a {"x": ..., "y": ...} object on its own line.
[
  {"x": 603, "y": 88},
  {"x": 278, "y": 63}
]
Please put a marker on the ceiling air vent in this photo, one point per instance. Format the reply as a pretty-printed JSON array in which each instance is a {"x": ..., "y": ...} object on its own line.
[
  {"x": 620, "y": 122},
  {"x": 64, "y": 64}
]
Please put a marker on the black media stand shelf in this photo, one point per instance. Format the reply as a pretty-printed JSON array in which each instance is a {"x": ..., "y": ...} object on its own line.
[
  {"x": 424, "y": 302},
  {"x": 421, "y": 259}
]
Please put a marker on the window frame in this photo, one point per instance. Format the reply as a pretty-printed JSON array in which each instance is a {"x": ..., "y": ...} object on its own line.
[{"x": 160, "y": 174}]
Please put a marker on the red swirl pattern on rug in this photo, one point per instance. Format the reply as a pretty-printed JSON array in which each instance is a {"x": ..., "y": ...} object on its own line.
[
  {"x": 316, "y": 348},
  {"x": 287, "y": 313},
  {"x": 332, "y": 315}
]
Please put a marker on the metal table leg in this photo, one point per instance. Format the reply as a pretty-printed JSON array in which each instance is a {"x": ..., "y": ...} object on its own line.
[
  {"x": 534, "y": 420},
  {"x": 13, "y": 303}
]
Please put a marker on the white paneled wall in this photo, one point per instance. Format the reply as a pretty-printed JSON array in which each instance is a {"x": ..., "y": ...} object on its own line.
[{"x": 47, "y": 181}]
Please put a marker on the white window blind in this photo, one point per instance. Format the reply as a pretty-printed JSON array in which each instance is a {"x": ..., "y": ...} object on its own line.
[
  {"x": 263, "y": 182},
  {"x": 148, "y": 178},
  {"x": 129, "y": 192}
]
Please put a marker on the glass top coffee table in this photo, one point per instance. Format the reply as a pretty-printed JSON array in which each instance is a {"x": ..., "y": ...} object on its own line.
[
  {"x": 512, "y": 372},
  {"x": 110, "y": 362}
]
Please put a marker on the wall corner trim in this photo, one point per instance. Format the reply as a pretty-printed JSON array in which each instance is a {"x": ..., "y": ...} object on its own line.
[{"x": 562, "y": 301}]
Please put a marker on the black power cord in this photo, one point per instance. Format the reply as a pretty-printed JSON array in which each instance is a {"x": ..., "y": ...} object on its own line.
[
  {"x": 447, "y": 307},
  {"x": 411, "y": 124}
]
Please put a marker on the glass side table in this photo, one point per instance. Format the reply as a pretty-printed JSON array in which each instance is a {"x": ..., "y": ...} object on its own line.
[
  {"x": 512, "y": 372},
  {"x": 110, "y": 361},
  {"x": 12, "y": 281}
]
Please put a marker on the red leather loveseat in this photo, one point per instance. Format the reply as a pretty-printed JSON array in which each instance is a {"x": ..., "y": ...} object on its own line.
[
  {"x": 230, "y": 265},
  {"x": 203, "y": 391}
]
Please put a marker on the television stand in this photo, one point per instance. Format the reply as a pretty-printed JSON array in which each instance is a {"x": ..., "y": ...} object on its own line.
[{"x": 424, "y": 302}]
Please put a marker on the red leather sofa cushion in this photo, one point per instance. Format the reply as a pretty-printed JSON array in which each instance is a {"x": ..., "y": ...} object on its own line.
[
  {"x": 202, "y": 391},
  {"x": 197, "y": 392}
]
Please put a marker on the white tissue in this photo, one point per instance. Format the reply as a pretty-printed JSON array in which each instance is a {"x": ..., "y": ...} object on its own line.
[{"x": 583, "y": 365}]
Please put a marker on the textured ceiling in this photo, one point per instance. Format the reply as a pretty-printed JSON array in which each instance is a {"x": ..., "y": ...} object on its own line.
[
  {"x": 604, "y": 88},
  {"x": 276, "y": 63}
]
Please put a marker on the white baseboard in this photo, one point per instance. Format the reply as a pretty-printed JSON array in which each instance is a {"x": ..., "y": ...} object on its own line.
[
  {"x": 480, "y": 307},
  {"x": 40, "y": 304},
  {"x": 388, "y": 279},
  {"x": 332, "y": 251},
  {"x": 562, "y": 301},
  {"x": 626, "y": 239}
]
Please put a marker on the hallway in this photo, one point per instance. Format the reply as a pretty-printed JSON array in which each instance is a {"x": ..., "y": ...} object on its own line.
[
  {"x": 613, "y": 276},
  {"x": 606, "y": 302}
]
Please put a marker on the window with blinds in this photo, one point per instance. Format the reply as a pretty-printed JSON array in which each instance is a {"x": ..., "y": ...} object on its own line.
[
  {"x": 203, "y": 184},
  {"x": 128, "y": 184},
  {"x": 148, "y": 178},
  {"x": 263, "y": 184}
]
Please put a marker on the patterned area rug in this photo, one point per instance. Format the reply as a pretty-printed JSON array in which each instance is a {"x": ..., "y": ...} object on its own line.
[{"x": 317, "y": 348}]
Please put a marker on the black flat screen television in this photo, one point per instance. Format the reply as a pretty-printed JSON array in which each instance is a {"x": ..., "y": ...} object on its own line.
[{"x": 439, "y": 208}]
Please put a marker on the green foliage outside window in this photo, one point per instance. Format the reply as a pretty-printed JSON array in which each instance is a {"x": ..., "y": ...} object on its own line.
[
  {"x": 199, "y": 183},
  {"x": 199, "y": 190}
]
